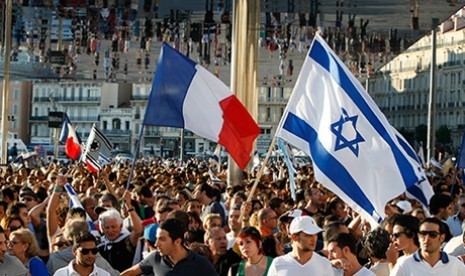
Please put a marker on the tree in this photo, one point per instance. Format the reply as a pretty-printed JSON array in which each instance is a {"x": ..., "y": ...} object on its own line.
[
  {"x": 443, "y": 135},
  {"x": 421, "y": 133}
]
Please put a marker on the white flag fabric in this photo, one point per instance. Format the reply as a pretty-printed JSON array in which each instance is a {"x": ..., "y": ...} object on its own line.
[
  {"x": 355, "y": 151},
  {"x": 98, "y": 150}
]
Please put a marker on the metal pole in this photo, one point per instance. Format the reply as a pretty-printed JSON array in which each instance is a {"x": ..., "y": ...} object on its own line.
[
  {"x": 244, "y": 68},
  {"x": 432, "y": 100},
  {"x": 6, "y": 81},
  {"x": 181, "y": 146},
  {"x": 59, "y": 46}
]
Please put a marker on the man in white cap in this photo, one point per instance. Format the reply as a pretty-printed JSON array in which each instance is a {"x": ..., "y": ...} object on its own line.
[{"x": 302, "y": 260}]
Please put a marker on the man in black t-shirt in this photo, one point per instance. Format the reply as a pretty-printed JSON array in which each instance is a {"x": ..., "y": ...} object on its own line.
[{"x": 172, "y": 257}]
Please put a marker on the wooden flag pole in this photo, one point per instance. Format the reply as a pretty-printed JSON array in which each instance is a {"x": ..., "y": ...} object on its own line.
[{"x": 262, "y": 168}]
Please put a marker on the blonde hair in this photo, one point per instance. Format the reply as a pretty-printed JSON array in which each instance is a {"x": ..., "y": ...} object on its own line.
[
  {"x": 209, "y": 218},
  {"x": 26, "y": 236}
]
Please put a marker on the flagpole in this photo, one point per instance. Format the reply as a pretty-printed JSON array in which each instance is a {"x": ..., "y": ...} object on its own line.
[
  {"x": 432, "y": 98},
  {"x": 262, "y": 168},
  {"x": 135, "y": 157},
  {"x": 244, "y": 68},
  {"x": 6, "y": 81}
]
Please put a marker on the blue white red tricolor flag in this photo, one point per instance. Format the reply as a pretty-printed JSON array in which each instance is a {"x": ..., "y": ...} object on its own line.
[
  {"x": 186, "y": 95},
  {"x": 70, "y": 138},
  {"x": 356, "y": 153}
]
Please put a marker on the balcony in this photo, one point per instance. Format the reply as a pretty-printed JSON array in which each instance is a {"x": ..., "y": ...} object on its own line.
[
  {"x": 140, "y": 98},
  {"x": 116, "y": 131},
  {"x": 67, "y": 99},
  {"x": 84, "y": 119},
  {"x": 271, "y": 100},
  {"x": 79, "y": 99},
  {"x": 38, "y": 118},
  {"x": 151, "y": 133}
]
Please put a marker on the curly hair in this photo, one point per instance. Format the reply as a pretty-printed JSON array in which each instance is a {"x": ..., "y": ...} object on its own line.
[{"x": 376, "y": 242}]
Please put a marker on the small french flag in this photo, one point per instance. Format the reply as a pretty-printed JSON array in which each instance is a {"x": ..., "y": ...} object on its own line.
[{"x": 69, "y": 137}]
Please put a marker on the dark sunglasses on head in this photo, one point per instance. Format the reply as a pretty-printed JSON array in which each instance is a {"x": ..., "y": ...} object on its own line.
[
  {"x": 397, "y": 235},
  {"x": 432, "y": 234},
  {"x": 14, "y": 228},
  {"x": 86, "y": 251},
  {"x": 27, "y": 199}
]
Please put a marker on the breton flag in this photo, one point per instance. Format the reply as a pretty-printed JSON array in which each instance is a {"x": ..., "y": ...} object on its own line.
[
  {"x": 355, "y": 152},
  {"x": 186, "y": 95},
  {"x": 69, "y": 137},
  {"x": 98, "y": 150}
]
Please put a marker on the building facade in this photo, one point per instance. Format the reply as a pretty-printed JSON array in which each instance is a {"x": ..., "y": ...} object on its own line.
[
  {"x": 18, "y": 109},
  {"x": 402, "y": 87}
]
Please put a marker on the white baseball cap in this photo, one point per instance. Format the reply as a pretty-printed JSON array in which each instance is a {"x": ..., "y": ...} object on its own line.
[
  {"x": 304, "y": 224},
  {"x": 405, "y": 206}
]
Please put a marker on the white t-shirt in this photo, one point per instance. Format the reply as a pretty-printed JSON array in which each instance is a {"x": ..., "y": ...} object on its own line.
[
  {"x": 231, "y": 240},
  {"x": 415, "y": 265},
  {"x": 288, "y": 266},
  {"x": 69, "y": 271},
  {"x": 362, "y": 272}
]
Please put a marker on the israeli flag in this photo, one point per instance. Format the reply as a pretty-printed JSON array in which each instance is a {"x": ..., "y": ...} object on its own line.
[
  {"x": 75, "y": 203},
  {"x": 356, "y": 153},
  {"x": 287, "y": 154}
]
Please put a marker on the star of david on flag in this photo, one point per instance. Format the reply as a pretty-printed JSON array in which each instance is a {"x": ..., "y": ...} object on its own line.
[
  {"x": 341, "y": 137},
  {"x": 356, "y": 153}
]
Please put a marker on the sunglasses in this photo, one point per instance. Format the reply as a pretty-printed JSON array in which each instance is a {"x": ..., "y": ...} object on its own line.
[
  {"x": 27, "y": 199},
  {"x": 14, "y": 228},
  {"x": 86, "y": 251},
  {"x": 397, "y": 235},
  {"x": 463, "y": 205},
  {"x": 432, "y": 234},
  {"x": 61, "y": 244}
]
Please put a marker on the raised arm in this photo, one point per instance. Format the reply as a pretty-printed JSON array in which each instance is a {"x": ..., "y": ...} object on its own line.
[
  {"x": 52, "y": 217},
  {"x": 35, "y": 212},
  {"x": 136, "y": 223}
]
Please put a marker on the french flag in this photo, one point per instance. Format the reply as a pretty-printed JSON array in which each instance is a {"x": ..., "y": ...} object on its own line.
[
  {"x": 186, "y": 95},
  {"x": 69, "y": 137}
]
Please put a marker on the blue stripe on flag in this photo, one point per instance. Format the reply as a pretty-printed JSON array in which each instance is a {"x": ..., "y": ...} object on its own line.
[
  {"x": 329, "y": 165},
  {"x": 172, "y": 79},
  {"x": 70, "y": 190},
  {"x": 319, "y": 54},
  {"x": 75, "y": 203},
  {"x": 408, "y": 149},
  {"x": 290, "y": 168},
  {"x": 417, "y": 192}
]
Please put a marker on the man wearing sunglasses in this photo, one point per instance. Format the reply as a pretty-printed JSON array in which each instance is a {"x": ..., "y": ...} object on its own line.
[
  {"x": 85, "y": 250},
  {"x": 455, "y": 222},
  {"x": 429, "y": 259}
]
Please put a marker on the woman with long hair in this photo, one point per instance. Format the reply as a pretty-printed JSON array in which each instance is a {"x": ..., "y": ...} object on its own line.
[
  {"x": 23, "y": 245},
  {"x": 10, "y": 223},
  {"x": 255, "y": 262}
]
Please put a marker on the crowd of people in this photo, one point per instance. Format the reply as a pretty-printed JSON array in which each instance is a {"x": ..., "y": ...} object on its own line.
[{"x": 173, "y": 218}]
